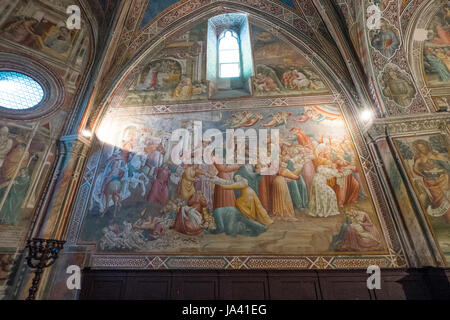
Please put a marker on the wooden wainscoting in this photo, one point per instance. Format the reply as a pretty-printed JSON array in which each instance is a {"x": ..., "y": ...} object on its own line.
[{"x": 427, "y": 283}]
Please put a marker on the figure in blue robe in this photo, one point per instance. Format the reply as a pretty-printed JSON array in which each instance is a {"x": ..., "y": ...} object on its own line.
[
  {"x": 385, "y": 41},
  {"x": 231, "y": 221},
  {"x": 298, "y": 190},
  {"x": 337, "y": 239}
]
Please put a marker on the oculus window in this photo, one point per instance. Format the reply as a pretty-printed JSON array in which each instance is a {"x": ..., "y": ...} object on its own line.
[
  {"x": 229, "y": 55},
  {"x": 19, "y": 91}
]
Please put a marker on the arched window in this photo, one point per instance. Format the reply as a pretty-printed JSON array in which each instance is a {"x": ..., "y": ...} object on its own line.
[
  {"x": 229, "y": 59},
  {"x": 229, "y": 55},
  {"x": 19, "y": 91}
]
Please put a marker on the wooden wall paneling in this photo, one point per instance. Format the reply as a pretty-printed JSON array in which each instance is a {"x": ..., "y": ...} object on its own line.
[
  {"x": 103, "y": 286},
  {"x": 148, "y": 286},
  {"x": 425, "y": 283},
  {"x": 243, "y": 286},
  {"x": 401, "y": 285},
  {"x": 191, "y": 285},
  {"x": 294, "y": 285},
  {"x": 347, "y": 285}
]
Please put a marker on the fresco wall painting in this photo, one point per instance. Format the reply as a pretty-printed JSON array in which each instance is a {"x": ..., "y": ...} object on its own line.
[
  {"x": 35, "y": 26},
  {"x": 26, "y": 156},
  {"x": 442, "y": 102},
  {"x": 177, "y": 72},
  {"x": 38, "y": 28},
  {"x": 318, "y": 201},
  {"x": 385, "y": 40},
  {"x": 397, "y": 86},
  {"x": 281, "y": 70},
  {"x": 426, "y": 160},
  {"x": 436, "y": 50}
]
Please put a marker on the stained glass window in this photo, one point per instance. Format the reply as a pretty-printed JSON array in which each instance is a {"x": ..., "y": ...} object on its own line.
[
  {"x": 19, "y": 91},
  {"x": 229, "y": 55}
]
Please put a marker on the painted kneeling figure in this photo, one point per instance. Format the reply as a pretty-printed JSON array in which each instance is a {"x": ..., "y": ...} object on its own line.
[
  {"x": 248, "y": 218},
  {"x": 190, "y": 219}
]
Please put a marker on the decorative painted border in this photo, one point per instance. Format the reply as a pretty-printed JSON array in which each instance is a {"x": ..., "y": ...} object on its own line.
[{"x": 152, "y": 262}]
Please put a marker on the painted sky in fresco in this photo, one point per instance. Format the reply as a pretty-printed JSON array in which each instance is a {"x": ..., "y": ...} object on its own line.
[
  {"x": 289, "y": 3},
  {"x": 154, "y": 8}
]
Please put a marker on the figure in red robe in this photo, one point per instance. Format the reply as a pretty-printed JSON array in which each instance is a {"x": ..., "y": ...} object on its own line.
[
  {"x": 190, "y": 219},
  {"x": 159, "y": 193},
  {"x": 223, "y": 197}
]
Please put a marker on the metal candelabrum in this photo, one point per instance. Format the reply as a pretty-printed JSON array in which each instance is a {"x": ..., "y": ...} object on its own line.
[{"x": 42, "y": 253}]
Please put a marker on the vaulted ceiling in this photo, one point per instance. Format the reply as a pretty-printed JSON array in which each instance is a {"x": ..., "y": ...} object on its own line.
[{"x": 141, "y": 25}]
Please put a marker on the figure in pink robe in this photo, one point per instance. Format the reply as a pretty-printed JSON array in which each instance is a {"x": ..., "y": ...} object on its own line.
[
  {"x": 308, "y": 172},
  {"x": 443, "y": 36},
  {"x": 361, "y": 234},
  {"x": 154, "y": 80},
  {"x": 159, "y": 193}
]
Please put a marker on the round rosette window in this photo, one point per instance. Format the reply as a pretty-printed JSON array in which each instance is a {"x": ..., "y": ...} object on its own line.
[{"x": 19, "y": 91}]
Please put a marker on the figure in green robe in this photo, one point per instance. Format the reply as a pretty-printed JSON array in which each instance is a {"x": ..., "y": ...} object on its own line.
[
  {"x": 248, "y": 172},
  {"x": 9, "y": 213},
  {"x": 437, "y": 65},
  {"x": 231, "y": 221},
  {"x": 297, "y": 190}
]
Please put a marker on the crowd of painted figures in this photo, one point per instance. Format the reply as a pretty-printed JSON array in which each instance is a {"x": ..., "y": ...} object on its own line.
[{"x": 317, "y": 177}]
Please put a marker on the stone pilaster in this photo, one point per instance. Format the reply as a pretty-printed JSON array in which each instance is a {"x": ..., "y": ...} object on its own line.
[
  {"x": 417, "y": 237},
  {"x": 56, "y": 212}
]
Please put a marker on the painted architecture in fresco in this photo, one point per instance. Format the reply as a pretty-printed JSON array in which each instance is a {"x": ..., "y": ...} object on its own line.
[{"x": 178, "y": 73}]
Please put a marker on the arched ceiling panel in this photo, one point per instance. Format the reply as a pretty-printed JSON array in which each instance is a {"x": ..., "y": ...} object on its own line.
[
  {"x": 177, "y": 72},
  {"x": 305, "y": 22},
  {"x": 37, "y": 30}
]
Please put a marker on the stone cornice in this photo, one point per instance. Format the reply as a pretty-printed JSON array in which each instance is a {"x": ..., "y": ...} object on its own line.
[
  {"x": 75, "y": 144},
  {"x": 399, "y": 126}
]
